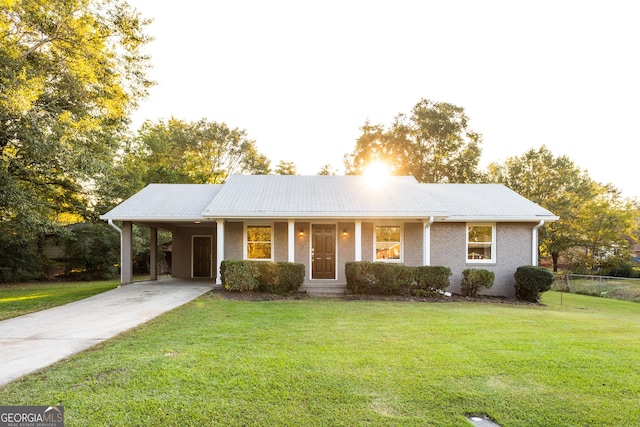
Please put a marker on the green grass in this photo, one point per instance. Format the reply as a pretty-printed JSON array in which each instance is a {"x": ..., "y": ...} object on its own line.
[
  {"x": 607, "y": 287},
  {"x": 23, "y": 298},
  {"x": 352, "y": 363}
]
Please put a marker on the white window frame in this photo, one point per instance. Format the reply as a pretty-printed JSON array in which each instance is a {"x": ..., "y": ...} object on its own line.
[
  {"x": 245, "y": 240},
  {"x": 494, "y": 249},
  {"x": 389, "y": 224}
]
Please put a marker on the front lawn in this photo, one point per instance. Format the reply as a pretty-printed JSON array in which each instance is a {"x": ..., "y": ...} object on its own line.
[
  {"x": 321, "y": 362},
  {"x": 23, "y": 298}
]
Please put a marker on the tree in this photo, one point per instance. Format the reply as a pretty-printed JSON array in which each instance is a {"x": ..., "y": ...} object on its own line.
[
  {"x": 558, "y": 185},
  {"x": 433, "y": 144},
  {"x": 285, "y": 168},
  {"x": 176, "y": 151},
  {"x": 70, "y": 73},
  {"x": 328, "y": 170},
  {"x": 606, "y": 224}
]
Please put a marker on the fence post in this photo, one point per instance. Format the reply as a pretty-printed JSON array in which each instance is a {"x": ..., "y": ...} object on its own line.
[{"x": 600, "y": 285}]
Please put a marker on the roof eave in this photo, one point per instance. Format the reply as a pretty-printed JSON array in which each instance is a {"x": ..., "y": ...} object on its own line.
[
  {"x": 155, "y": 218},
  {"x": 536, "y": 218},
  {"x": 323, "y": 215}
]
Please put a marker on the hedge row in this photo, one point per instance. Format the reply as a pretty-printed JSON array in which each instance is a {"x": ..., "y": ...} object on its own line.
[
  {"x": 282, "y": 278},
  {"x": 364, "y": 277}
]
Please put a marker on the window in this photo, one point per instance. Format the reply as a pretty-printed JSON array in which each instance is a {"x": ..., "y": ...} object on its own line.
[
  {"x": 481, "y": 242},
  {"x": 388, "y": 244},
  {"x": 259, "y": 242}
]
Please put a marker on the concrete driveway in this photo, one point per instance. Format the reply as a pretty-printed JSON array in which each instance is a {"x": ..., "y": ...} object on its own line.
[{"x": 29, "y": 343}]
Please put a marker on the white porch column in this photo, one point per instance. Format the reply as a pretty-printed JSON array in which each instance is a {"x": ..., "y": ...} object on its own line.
[
  {"x": 426, "y": 242},
  {"x": 153, "y": 252},
  {"x": 219, "y": 249},
  {"x": 291, "y": 241},
  {"x": 358, "y": 240},
  {"x": 126, "y": 259}
]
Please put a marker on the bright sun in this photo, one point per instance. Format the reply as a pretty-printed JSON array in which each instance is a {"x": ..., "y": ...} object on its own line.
[{"x": 376, "y": 172}]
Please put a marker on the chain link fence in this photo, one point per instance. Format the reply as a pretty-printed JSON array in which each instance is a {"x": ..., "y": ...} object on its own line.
[{"x": 601, "y": 286}]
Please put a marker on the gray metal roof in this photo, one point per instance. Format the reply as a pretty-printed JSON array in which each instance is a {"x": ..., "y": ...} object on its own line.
[
  {"x": 307, "y": 197},
  {"x": 286, "y": 196},
  {"x": 486, "y": 201},
  {"x": 165, "y": 202}
]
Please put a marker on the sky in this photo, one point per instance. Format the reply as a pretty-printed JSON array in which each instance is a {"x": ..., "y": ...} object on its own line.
[{"x": 302, "y": 77}]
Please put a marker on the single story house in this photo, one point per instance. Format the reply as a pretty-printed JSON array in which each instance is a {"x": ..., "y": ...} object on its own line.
[{"x": 325, "y": 221}]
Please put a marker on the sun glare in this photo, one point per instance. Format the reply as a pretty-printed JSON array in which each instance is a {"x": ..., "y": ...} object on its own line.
[{"x": 376, "y": 173}]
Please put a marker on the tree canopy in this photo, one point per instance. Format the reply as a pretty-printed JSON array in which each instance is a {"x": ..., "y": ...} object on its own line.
[
  {"x": 433, "y": 144},
  {"x": 557, "y": 184},
  {"x": 286, "y": 168},
  {"x": 70, "y": 73},
  {"x": 176, "y": 151}
]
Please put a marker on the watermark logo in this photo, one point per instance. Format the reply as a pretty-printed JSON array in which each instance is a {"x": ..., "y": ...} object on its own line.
[{"x": 31, "y": 416}]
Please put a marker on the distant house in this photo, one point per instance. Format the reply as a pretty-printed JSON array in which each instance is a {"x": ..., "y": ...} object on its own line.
[{"x": 325, "y": 221}]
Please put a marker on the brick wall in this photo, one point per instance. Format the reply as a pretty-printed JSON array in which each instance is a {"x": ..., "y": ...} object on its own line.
[
  {"x": 513, "y": 245},
  {"x": 413, "y": 247}
]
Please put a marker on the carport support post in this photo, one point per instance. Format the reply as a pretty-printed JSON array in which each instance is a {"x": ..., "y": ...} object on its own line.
[
  {"x": 153, "y": 253},
  {"x": 126, "y": 258}
]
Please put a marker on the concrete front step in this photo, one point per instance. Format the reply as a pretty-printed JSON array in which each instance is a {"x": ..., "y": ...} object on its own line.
[{"x": 325, "y": 290}]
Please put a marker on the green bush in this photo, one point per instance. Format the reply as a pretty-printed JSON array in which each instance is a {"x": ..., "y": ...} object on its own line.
[
  {"x": 18, "y": 263},
  {"x": 91, "y": 251},
  {"x": 473, "y": 280},
  {"x": 617, "y": 266},
  {"x": 283, "y": 278},
  {"x": 237, "y": 277},
  {"x": 360, "y": 277},
  {"x": 428, "y": 280},
  {"x": 379, "y": 278},
  {"x": 531, "y": 282},
  {"x": 288, "y": 280}
]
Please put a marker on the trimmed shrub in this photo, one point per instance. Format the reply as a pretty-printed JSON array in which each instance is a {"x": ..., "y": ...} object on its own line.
[
  {"x": 360, "y": 276},
  {"x": 237, "y": 277},
  {"x": 531, "y": 282},
  {"x": 288, "y": 280},
  {"x": 428, "y": 280},
  {"x": 473, "y": 280},
  {"x": 378, "y": 278},
  {"x": 283, "y": 278}
]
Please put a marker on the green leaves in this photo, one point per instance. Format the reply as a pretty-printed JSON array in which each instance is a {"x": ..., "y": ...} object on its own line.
[
  {"x": 592, "y": 216},
  {"x": 70, "y": 73},
  {"x": 176, "y": 151},
  {"x": 433, "y": 144}
]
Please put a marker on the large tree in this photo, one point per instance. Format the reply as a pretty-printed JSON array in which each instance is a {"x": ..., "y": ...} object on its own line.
[
  {"x": 607, "y": 224},
  {"x": 70, "y": 73},
  {"x": 175, "y": 151},
  {"x": 557, "y": 184},
  {"x": 433, "y": 144}
]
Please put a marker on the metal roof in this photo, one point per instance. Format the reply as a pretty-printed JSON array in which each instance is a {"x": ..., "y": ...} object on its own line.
[
  {"x": 486, "y": 201},
  {"x": 308, "y": 197},
  {"x": 165, "y": 202},
  {"x": 286, "y": 196}
]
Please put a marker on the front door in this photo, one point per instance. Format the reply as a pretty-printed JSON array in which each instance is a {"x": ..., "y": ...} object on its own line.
[
  {"x": 323, "y": 251},
  {"x": 201, "y": 256}
]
